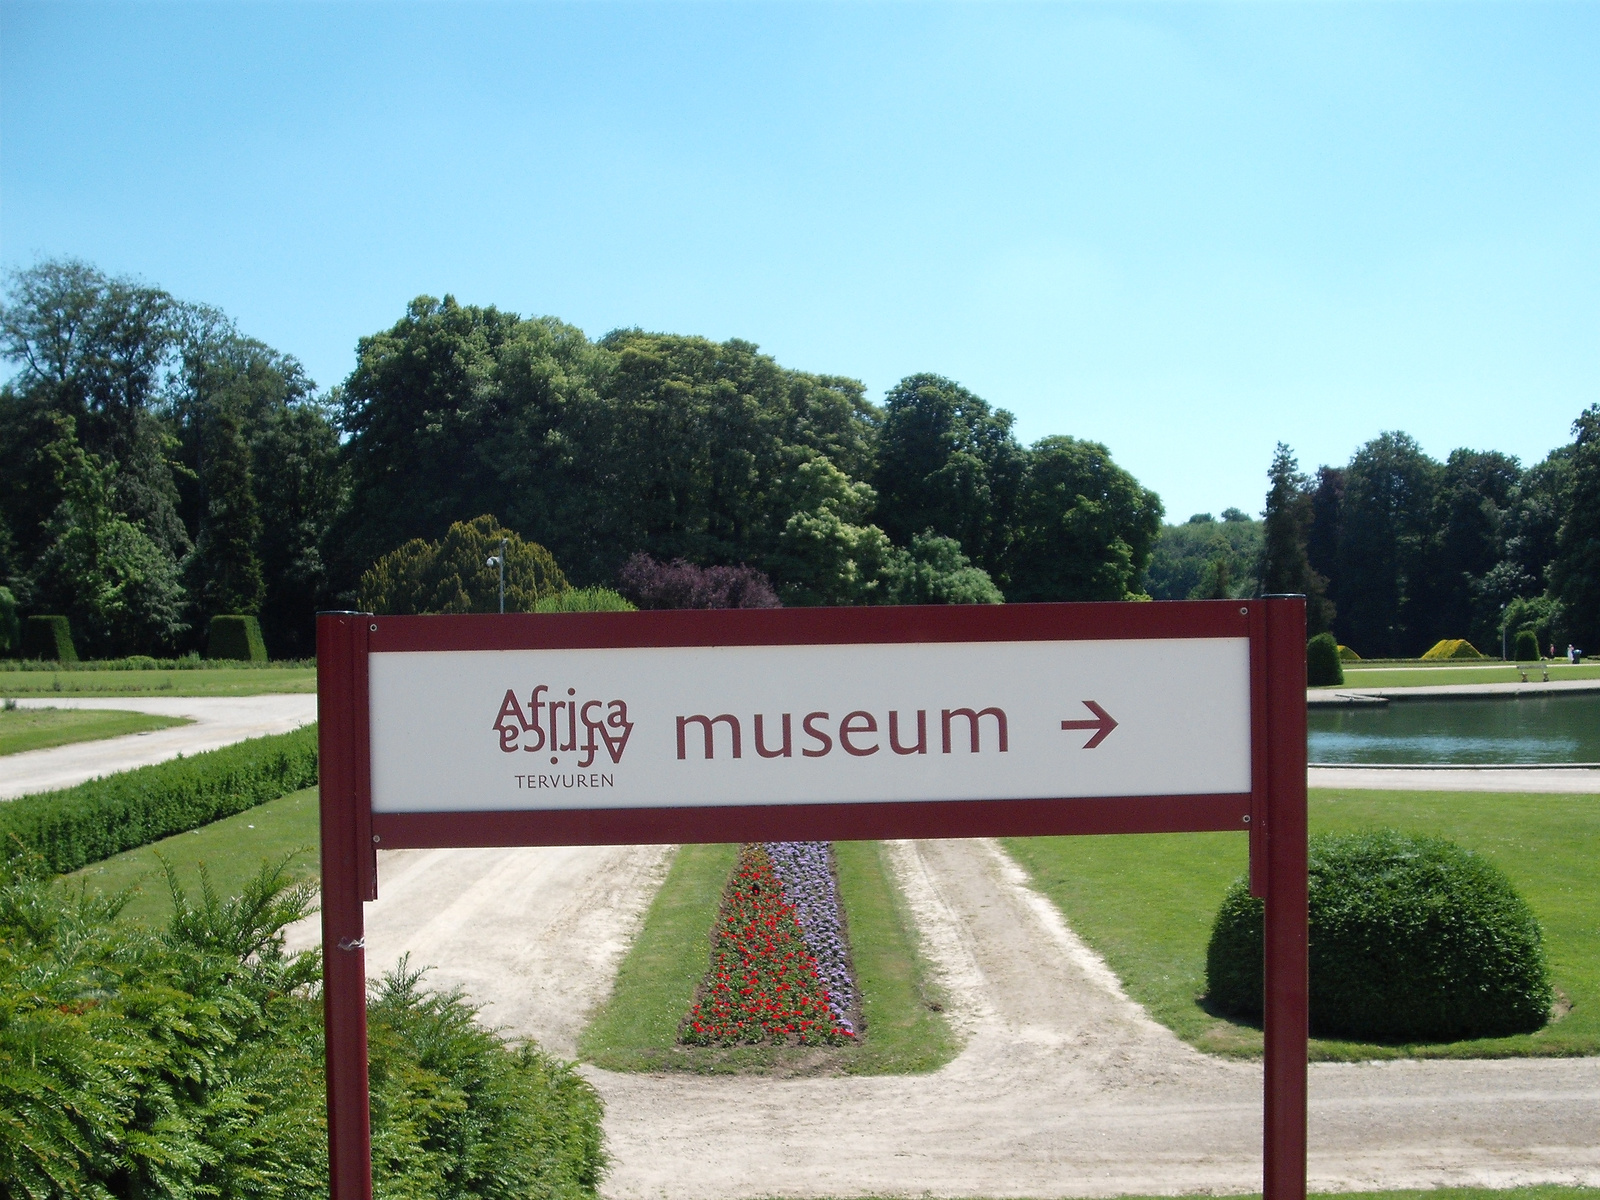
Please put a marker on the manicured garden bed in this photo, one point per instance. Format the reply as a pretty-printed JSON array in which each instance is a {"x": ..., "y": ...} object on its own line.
[
  {"x": 900, "y": 1027},
  {"x": 1146, "y": 903}
]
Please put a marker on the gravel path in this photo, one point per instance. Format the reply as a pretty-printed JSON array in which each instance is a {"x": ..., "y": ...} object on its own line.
[
  {"x": 218, "y": 721},
  {"x": 1064, "y": 1087}
]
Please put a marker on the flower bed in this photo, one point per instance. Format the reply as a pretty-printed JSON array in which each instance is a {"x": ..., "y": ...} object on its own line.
[{"x": 766, "y": 983}]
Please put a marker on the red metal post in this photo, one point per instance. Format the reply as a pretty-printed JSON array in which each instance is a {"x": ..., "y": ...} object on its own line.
[
  {"x": 1287, "y": 990},
  {"x": 341, "y": 665}
]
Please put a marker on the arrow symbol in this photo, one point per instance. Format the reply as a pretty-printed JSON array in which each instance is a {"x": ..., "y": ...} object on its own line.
[{"x": 1103, "y": 724}]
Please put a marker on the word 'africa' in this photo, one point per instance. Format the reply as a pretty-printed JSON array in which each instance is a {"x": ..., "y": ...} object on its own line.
[{"x": 604, "y": 722}]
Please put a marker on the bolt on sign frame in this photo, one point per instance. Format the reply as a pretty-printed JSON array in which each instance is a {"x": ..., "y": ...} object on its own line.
[{"x": 822, "y": 724}]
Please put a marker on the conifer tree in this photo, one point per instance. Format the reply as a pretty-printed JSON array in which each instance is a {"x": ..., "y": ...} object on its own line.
[{"x": 1285, "y": 567}]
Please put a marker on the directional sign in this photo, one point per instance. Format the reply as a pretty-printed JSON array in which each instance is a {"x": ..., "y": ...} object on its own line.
[
  {"x": 935, "y": 721},
  {"x": 700, "y": 726}
]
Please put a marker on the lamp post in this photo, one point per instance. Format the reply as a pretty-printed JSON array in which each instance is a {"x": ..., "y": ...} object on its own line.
[{"x": 499, "y": 560}]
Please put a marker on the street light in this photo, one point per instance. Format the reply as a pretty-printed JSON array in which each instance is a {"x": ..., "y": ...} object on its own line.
[{"x": 499, "y": 560}]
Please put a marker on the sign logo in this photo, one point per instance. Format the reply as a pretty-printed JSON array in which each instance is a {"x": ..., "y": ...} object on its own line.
[{"x": 541, "y": 727}]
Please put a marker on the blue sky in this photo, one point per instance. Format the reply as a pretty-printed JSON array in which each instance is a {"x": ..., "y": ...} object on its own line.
[{"x": 1188, "y": 231}]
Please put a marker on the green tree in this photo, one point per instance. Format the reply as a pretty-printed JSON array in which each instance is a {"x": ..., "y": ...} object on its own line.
[
  {"x": 100, "y": 350},
  {"x": 1322, "y": 539},
  {"x": 1204, "y": 559},
  {"x": 1575, "y": 574},
  {"x": 948, "y": 462},
  {"x": 224, "y": 572},
  {"x": 1456, "y": 597},
  {"x": 1085, "y": 528},
  {"x": 1385, "y": 526},
  {"x": 119, "y": 589},
  {"x": 828, "y": 553},
  {"x": 933, "y": 570},
  {"x": 1285, "y": 567},
  {"x": 254, "y": 435},
  {"x": 454, "y": 575}
]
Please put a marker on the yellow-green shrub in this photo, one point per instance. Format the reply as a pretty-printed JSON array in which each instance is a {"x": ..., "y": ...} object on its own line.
[{"x": 1453, "y": 648}]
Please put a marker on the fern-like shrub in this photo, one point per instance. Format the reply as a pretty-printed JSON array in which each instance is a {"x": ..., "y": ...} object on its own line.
[
  {"x": 1322, "y": 662},
  {"x": 188, "y": 1063},
  {"x": 71, "y": 828},
  {"x": 1413, "y": 939}
]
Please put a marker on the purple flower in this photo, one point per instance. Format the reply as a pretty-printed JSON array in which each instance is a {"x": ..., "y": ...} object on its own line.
[{"x": 806, "y": 871}]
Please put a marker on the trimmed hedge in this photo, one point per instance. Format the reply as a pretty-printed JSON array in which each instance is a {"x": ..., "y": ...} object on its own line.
[
  {"x": 48, "y": 638},
  {"x": 140, "y": 662},
  {"x": 1322, "y": 662},
  {"x": 1526, "y": 647},
  {"x": 71, "y": 828},
  {"x": 1413, "y": 939},
  {"x": 1452, "y": 648},
  {"x": 10, "y": 627},
  {"x": 1348, "y": 655},
  {"x": 237, "y": 638}
]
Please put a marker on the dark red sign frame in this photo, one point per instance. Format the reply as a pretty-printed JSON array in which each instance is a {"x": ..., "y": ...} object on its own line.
[{"x": 1273, "y": 811}]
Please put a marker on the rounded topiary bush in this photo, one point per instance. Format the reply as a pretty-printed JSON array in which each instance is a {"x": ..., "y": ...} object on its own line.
[
  {"x": 1527, "y": 645},
  {"x": 1413, "y": 939},
  {"x": 1323, "y": 668}
]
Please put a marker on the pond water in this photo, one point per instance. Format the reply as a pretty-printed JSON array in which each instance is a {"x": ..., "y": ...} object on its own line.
[{"x": 1543, "y": 729}]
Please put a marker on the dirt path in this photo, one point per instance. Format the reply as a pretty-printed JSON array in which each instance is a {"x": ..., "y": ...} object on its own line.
[
  {"x": 1064, "y": 1087},
  {"x": 218, "y": 721}
]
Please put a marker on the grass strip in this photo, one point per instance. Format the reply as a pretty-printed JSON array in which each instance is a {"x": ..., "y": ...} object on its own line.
[
  {"x": 76, "y": 826},
  {"x": 232, "y": 851},
  {"x": 1146, "y": 904},
  {"x": 637, "y": 1028},
  {"x": 1454, "y": 675},
  {"x": 905, "y": 1033},
  {"x": 234, "y": 680},
  {"x": 23, "y": 729}
]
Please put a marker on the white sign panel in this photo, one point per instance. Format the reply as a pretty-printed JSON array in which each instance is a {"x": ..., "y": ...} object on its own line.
[{"x": 474, "y": 731}]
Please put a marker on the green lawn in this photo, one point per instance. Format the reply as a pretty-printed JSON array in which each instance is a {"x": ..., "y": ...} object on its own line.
[
  {"x": 1146, "y": 903},
  {"x": 219, "y": 681},
  {"x": 637, "y": 1029},
  {"x": 40, "y": 728},
  {"x": 1451, "y": 674},
  {"x": 232, "y": 850}
]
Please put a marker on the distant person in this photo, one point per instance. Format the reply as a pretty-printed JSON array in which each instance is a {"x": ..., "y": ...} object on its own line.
[{"x": 1570, "y": 653}]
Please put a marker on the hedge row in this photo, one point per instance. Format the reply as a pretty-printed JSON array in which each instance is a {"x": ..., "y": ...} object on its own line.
[
  {"x": 71, "y": 828},
  {"x": 139, "y": 662}
]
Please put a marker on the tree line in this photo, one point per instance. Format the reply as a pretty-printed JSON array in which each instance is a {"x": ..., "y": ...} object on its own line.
[
  {"x": 159, "y": 466},
  {"x": 1397, "y": 550}
]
